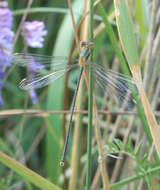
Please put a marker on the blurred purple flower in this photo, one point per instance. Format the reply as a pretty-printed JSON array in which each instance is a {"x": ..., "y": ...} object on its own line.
[
  {"x": 33, "y": 67},
  {"x": 34, "y": 33},
  {"x": 6, "y": 47},
  {"x": 33, "y": 96},
  {"x": 2, "y": 75},
  {"x": 6, "y": 17},
  {"x": 6, "y": 41}
]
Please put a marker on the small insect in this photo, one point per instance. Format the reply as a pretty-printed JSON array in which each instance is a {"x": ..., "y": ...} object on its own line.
[{"x": 48, "y": 69}]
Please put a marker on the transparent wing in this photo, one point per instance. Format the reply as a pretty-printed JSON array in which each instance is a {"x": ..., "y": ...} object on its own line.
[
  {"x": 115, "y": 84},
  {"x": 47, "y": 69},
  {"x": 22, "y": 59},
  {"x": 39, "y": 81},
  {"x": 42, "y": 69}
]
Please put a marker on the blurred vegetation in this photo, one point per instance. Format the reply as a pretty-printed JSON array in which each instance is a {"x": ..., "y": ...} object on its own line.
[{"x": 36, "y": 140}]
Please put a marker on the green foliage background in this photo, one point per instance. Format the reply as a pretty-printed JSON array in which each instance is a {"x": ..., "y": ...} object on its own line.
[{"x": 37, "y": 141}]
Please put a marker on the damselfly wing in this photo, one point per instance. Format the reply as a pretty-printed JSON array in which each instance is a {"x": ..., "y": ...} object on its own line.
[
  {"x": 115, "y": 84},
  {"x": 44, "y": 70},
  {"x": 48, "y": 69}
]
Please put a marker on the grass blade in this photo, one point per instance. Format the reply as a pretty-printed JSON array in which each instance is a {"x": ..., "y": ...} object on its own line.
[
  {"x": 112, "y": 37},
  {"x": 26, "y": 173},
  {"x": 90, "y": 104},
  {"x": 126, "y": 34}
]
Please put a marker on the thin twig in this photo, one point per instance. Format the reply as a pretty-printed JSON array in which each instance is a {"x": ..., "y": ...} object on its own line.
[
  {"x": 74, "y": 26},
  {"x": 152, "y": 149},
  {"x": 44, "y": 113},
  {"x": 150, "y": 44},
  {"x": 104, "y": 174},
  {"x": 35, "y": 143},
  {"x": 117, "y": 166},
  {"x": 96, "y": 181},
  {"x": 155, "y": 76},
  {"x": 158, "y": 17},
  {"x": 114, "y": 132},
  {"x": 22, "y": 21},
  {"x": 156, "y": 45}
]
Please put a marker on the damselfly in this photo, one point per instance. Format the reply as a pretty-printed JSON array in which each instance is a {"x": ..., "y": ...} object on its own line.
[{"x": 48, "y": 69}]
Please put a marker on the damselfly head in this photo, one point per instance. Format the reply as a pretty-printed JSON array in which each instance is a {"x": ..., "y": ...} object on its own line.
[
  {"x": 85, "y": 49},
  {"x": 87, "y": 44}
]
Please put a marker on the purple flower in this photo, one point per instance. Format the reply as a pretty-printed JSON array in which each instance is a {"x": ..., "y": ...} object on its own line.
[
  {"x": 2, "y": 75},
  {"x": 6, "y": 47},
  {"x": 5, "y": 16},
  {"x": 6, "y": 41},
  {"x": 34, "y": 33},
  {"x": 33, "y": 96},
  {"x": 6, "y": 35},
  {"x": 33, "y": 67}
]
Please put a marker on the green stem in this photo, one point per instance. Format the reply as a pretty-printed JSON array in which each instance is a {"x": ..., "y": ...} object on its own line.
[
  {"x": 42, "y": 10},
  {"x": 55, "y": 10},
  {"x": 128, "y": 180},
  {"x": 90, "y": 103}
]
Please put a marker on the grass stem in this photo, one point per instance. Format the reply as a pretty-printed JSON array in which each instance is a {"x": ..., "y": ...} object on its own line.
[{"x": 90, "y": 103}]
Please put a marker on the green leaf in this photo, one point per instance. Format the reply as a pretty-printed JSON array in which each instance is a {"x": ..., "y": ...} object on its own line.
[
  {"x": 141, "y": 9},
  {"x": 113, "y": 38},
  {"x": 128, "y": 42},
  {"x": 126, "y": 34},
  {"x": 138, "y": 148},
  {"x": 26, "y": 173}
]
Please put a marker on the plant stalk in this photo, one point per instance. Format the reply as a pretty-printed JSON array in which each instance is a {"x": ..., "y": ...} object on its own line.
[{"x": 90, "y": 102}]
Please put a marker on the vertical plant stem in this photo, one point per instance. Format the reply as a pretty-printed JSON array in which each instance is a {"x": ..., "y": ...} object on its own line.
[
  {"x": 74, "y": 26},
  {"x": 149, "y": 58},
  {"x": 102, "y": 163},
  {"x": 22, "y": 21},
  {"x": 77, "y": 141},
  {"x": 90, "y": 101},
  {"x": 154, "y": 128},
  {"x": 75, "y": 164}
]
